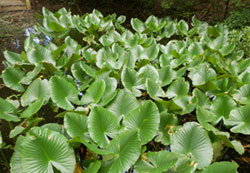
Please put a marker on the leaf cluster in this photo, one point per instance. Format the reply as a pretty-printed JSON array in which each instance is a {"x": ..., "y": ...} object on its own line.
[{"x": 120, "y": 92}]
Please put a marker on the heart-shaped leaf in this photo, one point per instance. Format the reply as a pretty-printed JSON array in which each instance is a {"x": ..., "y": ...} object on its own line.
[
  {"x": 178, "y": 88},
  {"x": 63, "y": 92},
  {"x": 201, "y": 74},
  {"x": 102, "y": 124},
  {"x": 123, "y": 103},
  {"x": 222, "y": 106},
  {"x": 37, "y": 90},
  {"x": 145, "y": 119},
  {"x": 39, "y": 54},
  {"x": 193, "y": 141},
  {"x": 76, "y": 124},
  {"x": 239, "y": 118},
  {"x": 42, "y": 149},
  {"x": 12, "y": 77},
  {"x": 125, "y": 153}
]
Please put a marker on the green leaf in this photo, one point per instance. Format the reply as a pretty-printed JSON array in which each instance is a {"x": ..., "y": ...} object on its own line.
[
  {"x": 170, "y": 29},
  {"x": 242, "y": 95},
  {"x": 125, "y": 153},
  {"x": 149, "y": 72},
  {"x": 88, "y": 70},
  {"x": 178, "y": 88},
  {"x": 184, "y": 102},
  {"x": 156, "y": 162},
  {"x": 138, "y": 25},
  {"x": 225, "y": 50},
  {"x": 195, "y": 49},
  {"x": 204, "y": 116},
  {"x": 7, "y": 111},
  {"x": 222, "y": 106},
  {"x": 12, "y": 57},
  {"x": 193, "y": 141},
  {"x": 166, "y": 75},
  {"x": 182, "y": 26},
  {"x": 150, "y": 53},
  {"x": 130, "y": 81},
  {"x": 39, "y": 54},
  {"x": 145, "y": 119},
  {"x": 27, "y": 79},
  {"x": 15, "y": 161},
  {"x": 110, "y": 90},
  {"x": 200, "y": 99},
  {"x": 63, "y": 92},
  {"x": 201, "y": 74},
  {"x": 42, "y": 149},
  {"x": 123, "y": 103},
  {"x": 79, "y": 73},
  {"x": 167, "y": 123},
  {"x": 229, "y": 167},
  {"x": 154, "y": 90},
  {"x": 32, "y": 109},
  {"x": 102, "y": 124},
  {"x": 240, "y": 119},
  {"x": 94, "y": 93},
  {"x": 75, "y": 124},
  {"x": 12, "y": 77},
  {"x": 37, "y": 90},
  {"x": 93, "y": 167}
]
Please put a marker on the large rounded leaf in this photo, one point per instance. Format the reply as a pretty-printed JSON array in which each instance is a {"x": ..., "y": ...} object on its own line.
[
  {"x": 63, "y": 92},
  {"x": 193, "y": 141},
  {"x": 156, "y": 162},
  {"x": 101, "y": 124},
  {"x": 75, "y": 124},
  {"x": 229, "y": 167},
  {"x": 147, "y": 71},
  {"x": 126, "y": 148},
  {"x": 222, "y": 106},
  {"x": 201, "y": 74},
  {"x": 12, "y": 77},
  {"x": 37, "y": 90},
  {"x": 145, "y": 119},
  {"x": 178, "y": 88},
  {"x": 40, "y": 54},
  {"x": 12, "y": 57},
  {"x": 42, "y": 149},
  {"x": 240, "y": 119},
  {"x": 123, "y": 103}
]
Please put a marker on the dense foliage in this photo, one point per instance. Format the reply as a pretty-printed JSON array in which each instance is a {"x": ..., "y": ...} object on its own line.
[{"x": 123, "y": 96}]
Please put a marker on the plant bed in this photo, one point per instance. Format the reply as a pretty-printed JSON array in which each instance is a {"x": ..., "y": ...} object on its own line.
[{"x": 163, "y": 97}]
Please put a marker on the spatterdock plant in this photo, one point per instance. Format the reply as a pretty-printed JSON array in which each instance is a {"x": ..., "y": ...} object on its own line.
[{"x": 122, "y": 95}]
